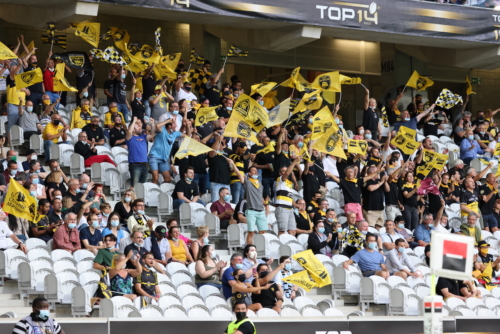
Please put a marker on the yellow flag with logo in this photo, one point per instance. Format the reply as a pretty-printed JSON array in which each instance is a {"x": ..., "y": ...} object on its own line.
[
  {"x": 191, "y": 147},
  {"x": 133, "y": 63},
  {"x": 304, "y": 153},
  {"x": 421, "y": 172},
  {"x": 404, "y": 143},
  {"x": 409, "y": 133},
  {"x": 238, "y": 127},
  {"x": 314, "y": 267},
  {"x": 328, "y": 82},
  {"x": 60, "y": 82},
  {"x": 251, "y": 111},
  {"x": 120, "y": 37},
  {"x": 497, "y": 150},
  {"x": 279, "y": 114},
  {"x": 357, "y": 147},
  {"x": 322, "y": 121},
  {"x": 89, "y": 31},
  {"x": 170, "y": 62},
  {"x": 301, "y": 279},
  {"x": 262, "y": 88},
  {"x": 345, "y": 80},
  {"x": 468, "y": 86},
  {"x": 330, "y": 143},
  {"x": 437, "y": 160},
  {"x": 6, "y": 53},
  {"x": 419, "y": 82},
  {"x": 268, "y": 149},
  {"x": 148, "y": 55},
  {"x": 29, "y": 78},
  {"x": 296, "y": 81},
  {"x": 19, "y": 203},
  {"x": 205, "y": 115},
  {"x": 310, "y": 101}
]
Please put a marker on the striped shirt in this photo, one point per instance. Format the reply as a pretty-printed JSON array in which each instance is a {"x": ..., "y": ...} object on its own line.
[
  {"x": 23, "y": 327},
  {"x": 283, "y": 193},
  {"x": 241, "y": 164}
]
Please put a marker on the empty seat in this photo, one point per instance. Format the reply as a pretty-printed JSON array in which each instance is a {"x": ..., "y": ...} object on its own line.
[
  {"x": 267, "y": 313},
  {"x": 190, "y": 301},
  {"x": 151, "y": 311}
]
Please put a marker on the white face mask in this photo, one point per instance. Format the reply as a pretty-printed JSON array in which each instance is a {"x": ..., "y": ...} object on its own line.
[{"x": 252, "y": 254}]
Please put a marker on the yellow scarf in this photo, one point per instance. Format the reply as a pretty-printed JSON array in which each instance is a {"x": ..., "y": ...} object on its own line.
[
  {"x": 314, "y": 204},
  {"x": 255, "y": 182},
  {"x": 352, "y": 180},
  {"x": 409, "y": 185},
  {"x": 397, "y": 112},
  {"x": 444, "y": 185},
  {"x": 495, "y": 191}
]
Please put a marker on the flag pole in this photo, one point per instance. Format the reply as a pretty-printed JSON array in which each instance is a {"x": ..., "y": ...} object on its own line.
[
  {"x": 363, "y": 85},
  {"x": 340, "y": 98},
  {"x": 293, "y": 91},
  {"x": 225, "y": 60},
  {"x": 51, "y": 44},
  {"x": 189, "y": 68}
]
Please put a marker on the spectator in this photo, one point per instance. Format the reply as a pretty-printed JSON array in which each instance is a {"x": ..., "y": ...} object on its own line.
[
  {"x": 11, "y": 171},
  {"x": 239, "y": 212},
  {"x": 397, "y": 260},
  {"x": 228, "y": 280},
  {"x": 67, "y": 236},
  {"x": 51, "y": 134},
  {"x": 159, "y": 101},
  {"x": 423, "y": 231},
  {"x": 113, "y": 227},
  {"x": 370, "y": 118},
  {"x": 158, "y": 245},
  {"x": 410, "y": 122},
  {"x": 469, "y": 148},
  {"x": 289, "y": 289},
  {"x": 40, "y": 314},
  {"x": 128, "y": 240},
  {"x": 146, "y": 284},
  {"x": 390, "y": 236},
  {"x": 219, "y": 163},
  {"x": 319, "y": 241},
  {"x": 28, "y": 120},
  {"x": 136, "y": 245},
  {"x": 222, "y": 209},
  {"x": 124, "y": 208},
  {"x": 409, "y": 196},
  {"x": 136, "y": 102},
  {"x": 241, "y": 159},
  {"x": 203, "y": 233},
  {"x": 263, "y": 161},
  {"x": 81, "y": 115},
  {"x": 180, "y": 251},
  {"x": 251, "y": 261},
  {"x": 224, "y": 111},
  {"x": 469, "y": 199},
  {"x": 173, "y": 222},
  {"x": 138, "y": 151},
  {"x": 186, "y": 190},
  {"x": 89, "y": 151},
  {"x": 369, "y": 260},
  {"x": 120, "y": 276},
  {"x": 183, "y": 89},
  {"x": 110, "y": 116},
  {"x": 6, "y": 232},
  {"x": 471, "y": 229},
  {"x": 373, "y": 197},
  {"x": 14, "y": 97},
  {"x": 44, "y": 228},
  {"x": 447, "y": 288},
  {"x": 284, "y": 202},
  {"x": 207, "y": 271},
  {"x": 271, "y": 295},
  {"x": 116, "y": 91},
  {"x": 117, "y": 133},
  {"x": 90, "y": 236},
  {"x": 95, "y": 133},
  {"x": 489, "y": 195},
  {"x": 139, "y": 218},
  {"x": 319, "y": 213},
  {"x": 304, "y": 224},
  {"x": 484, "y": 265},
  {"x": 104, "y": 257}
]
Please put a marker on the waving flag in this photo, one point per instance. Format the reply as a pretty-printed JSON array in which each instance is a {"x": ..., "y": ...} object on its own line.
[
  {"x": 448, "y": 100},
  {"x": 419, "y": 82}
]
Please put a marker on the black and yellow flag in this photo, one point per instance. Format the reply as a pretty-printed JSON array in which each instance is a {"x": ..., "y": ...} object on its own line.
[
  {"x": 268, "y": 149},
  {"x": 310, "y": 101},
  {"x": 236, "y": 52},
  {"x": 29, "y": 78},
  {"x": 357, "y": 147},
  {"x": 328, "y": 82},
  {"x": 76, "y": 59},
  {"x": 120, "y": 37},
  {"x": 447, "y": 99},
  {"x": 345, "y": 80},
  {"x": 262, "y": 88},
  {"x": 422, "y": 171},
  {"x": 170, "y": 62},
  {"x": 19, "y": 203},
  {"x": 253, "y": 113},
  {"x": 6, "y": 53},
  {"x": 133, "y": 63},
  {"x": 404, "y": 143},
  {"x": 419, "y": 82},
  {"x": 322, "y": 121},
  {"x": 301, "y": 279},
  {"x": 52, "y": 38},
  {"x": 385, "y": 118},
  {"x": 109, "y": 55},
  {"x": 314, "y": 267},
  {"x": 409, "y": 133},
  {"x": 60, "y": 82},
  {"x": 468, "y": 86},
  {"x": 296, "y": 81},
  {"x": 238, "y": 127},
  {"x": 190, "y": 146},
  {"x": 30, "y": 47},
  {"x": 330, "y": 143},
  {"x": 205, "y": 115},
  {"x": 279, "y": 114},
  {"x": 158, "y": 47},
  {"x": 195, "y": 58},
  {"x": 148, "y": 54},
  {"x": 89, "y": 31},
  {"x": 436, "y": 160},
  {"x": 198, "y": 79}
]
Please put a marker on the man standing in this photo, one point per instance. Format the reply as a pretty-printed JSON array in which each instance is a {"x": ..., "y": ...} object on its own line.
[
  {"x": 283, "y": 200},
  {"x": 67, "y": 236},
  {"x": 137, "y": 144},
  {"x": 36, "y": 90},
  {"x": 186, "y": 190},
  {"x": 373, "y": 197},
  {"x": 219, "y": 168},
  {"x": 116, "y": 91},
  {"x": 469, "y": 199},
  {"x": 224, "y": 111},
  {"x": 241, "y": 160},
  {"x": 489, "y": 195},
  {"x": 212, "y": 90},
  {"x": 28, "y": 120},
  {"x": 39, "y": 320},
  {"x": 423, "y": 231}
]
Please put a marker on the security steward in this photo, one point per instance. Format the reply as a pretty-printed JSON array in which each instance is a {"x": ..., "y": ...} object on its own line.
[{"x": 242, "y": 325}]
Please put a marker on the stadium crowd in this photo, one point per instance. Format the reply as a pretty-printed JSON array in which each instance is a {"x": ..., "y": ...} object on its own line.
[{"x": 380, "y": 212}]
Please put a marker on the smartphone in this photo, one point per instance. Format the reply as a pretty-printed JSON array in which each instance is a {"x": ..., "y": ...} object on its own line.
[{"x": 254, "y": 270}]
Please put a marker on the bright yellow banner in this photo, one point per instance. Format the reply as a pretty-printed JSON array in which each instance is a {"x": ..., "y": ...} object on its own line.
[
  {"x": 310, "y": 101},
  {"x": 191, "y": 147},
  {"x": 29, "y": 78},
  {"x": 296, "y": 81},
  {"x": 89, "y": 31},
  {"x": 436, "y": 160},
  {"x": 133, "y": 64},
  {"x": 406, "y": 145},
  {"x": 60, "y": 82},
  {"x": 6, "y": 53},
  {"x": 251, "y": 111},
  {"x": 345, "y": 80},
  {"x": 423, "y": 171},
  {"x": 497, "y": 150},
  {"x": 468, "y": 86},
  {"x": 330, "y": 143},
  {"x": 357, "y": 147},
  {"x": 148, "y": 54},
  {"x": 170, "y": 62},
  {"x": 121, "y": 37},
  {"x": 19, "y": 203},
  {"x": 205, "y": 115},
  {"x": 279, "y": 114},
  {"x": 238, "y": 127},
  {"x": 328, "y": 82},
  {"x": 268, "y": 149},
  {"x": 419, "y": 82},
  {"x": 262, "y": 88},
  {"x": 322, "y": 121},
  {"x": 314, "y": 267},
  {"x": 409, "y": 133},
  {"x": 301, "y": 279}
]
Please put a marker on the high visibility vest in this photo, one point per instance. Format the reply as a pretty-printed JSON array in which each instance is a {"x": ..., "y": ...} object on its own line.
[{"x": 233, "y": 327}]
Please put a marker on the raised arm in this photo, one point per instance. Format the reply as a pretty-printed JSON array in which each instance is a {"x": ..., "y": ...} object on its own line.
[
  {"x": 367, "y": 99},
  {"x": 440, "y": 213},
  {"x": 425, "y": 112},
  {"x": 130, "y": 130}
]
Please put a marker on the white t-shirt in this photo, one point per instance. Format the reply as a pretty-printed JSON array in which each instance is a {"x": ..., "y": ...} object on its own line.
[
  {"x": 440, "y": 229},
  {"x": 3, "y": 77},
  {"x": 169, "y": 115},
  {"x": 330, "y": 166},
  {"x": 183, "y": 95},
  {"x": 5, "y": 233}
]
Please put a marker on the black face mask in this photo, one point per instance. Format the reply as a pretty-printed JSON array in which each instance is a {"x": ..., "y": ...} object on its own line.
[
  {"x": 263, "y": 274},
  {"x": 57, "y": 122},
  {"x": 241, "y": 277},
  {"x": 227, "y": 92},
  {"x": 180, "y": 66},
  {"x": 240, "y": 315},
  {"x": 188, "y": 89}
]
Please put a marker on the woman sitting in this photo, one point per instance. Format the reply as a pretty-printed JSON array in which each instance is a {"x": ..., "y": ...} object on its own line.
[
  {"x": 207, "y": 271},
  {"x": 113, "y": 227},
  {"x": 202, "y": 240},
  {"x": 241, "y": 290},
  {"x": 119, "y": 277},
  {"x": 180, "y": 251},
  {"x": 124, "y": 207},
  {"x": 319, "y": 241}
]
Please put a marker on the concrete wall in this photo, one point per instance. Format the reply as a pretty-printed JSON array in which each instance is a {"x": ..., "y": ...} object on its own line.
[{"x": 487, "y": 93}]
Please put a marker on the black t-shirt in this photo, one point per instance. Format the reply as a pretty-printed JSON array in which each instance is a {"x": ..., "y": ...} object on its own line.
[
  {"x": 319, "y": 171},
  {"x": 487, "y": 207},
  {"x": 267, "y": 298},
  {"x": 269, "y": 133},
  {"x": 116, "y": 134},
  {"x": 198, "y": 163},
  {"x": 452, "y": 285},
  {"x": 412, "y": 201},
  {"x": 222, "y": 112},
  {"x": 280, "y": 160},
  {"x": 138, "y": 109},
  {"x": 190, "y": 190},
  {"x": 245, "y": 328},
  {"x": 302, "y": 223},
  {"x": 148, "y": 85},
  {"x": 373, "y": 161},
  {"x": 53, "y": 185},
  {"x": 311, "y": 185},
  {"x": 205, "y": 129},
  {"x": 374, "y": 199},
  {"x": 370, "y": 120},
  {"x": 392, "y": 197},
  {"x": 40, "y": 226},
  {"x": 35, "y": 88},
  {"x": 97, "y": 134},
  {"x": 148, "y": 281},
  {"x": 213, "y": 95},
  {"x": 264, "y": 159},
  {"x": 219, "y": 169},
  {"x": 119, "y": 91},
  {"x": 467, "y": 197},
  {"x": 84, "y": 150},
  {"x": 431, "y": 127},
  {"x": 434, "y": 203},
  {"x": 108, "y": 85},
  {"x": 141, "y": 251},
  {"x": 351, "y": 190}
]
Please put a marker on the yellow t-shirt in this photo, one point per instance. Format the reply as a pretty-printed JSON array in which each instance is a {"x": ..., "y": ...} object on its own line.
[
  {"x": 108, "y": 120},
  {"x": 13, "y": 95},
  {"x": 51, "y": 129}
]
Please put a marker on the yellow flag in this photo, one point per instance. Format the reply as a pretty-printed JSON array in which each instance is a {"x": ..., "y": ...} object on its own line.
[
  {"x": 253, "y": 113},
  {"x": 329, "y": 96},
  {"x": 6, "y": 53},
  {"x": 345, "y": 80},
  {"x": 322, "y": 121},
  {"x": 419, "y": 82},
  {"x": 89, "y": 31},
  {"x": 19, "y": 203},
  {"x": 468, "y": 86},
  {"x": 424, "y": 170},
  {"x": 304, "y": 153},
  {"x": 310, "y": 101},
  {"x": 30, "y": 47},
  {"x": 405, "y": 144},
  {"x": 268, "y": 149},
  {"x": 170, "y": 62},
  {"x": 301, "y": 279},
  {"x": 330, "y": 143},
  {"x": 238, "y": 127},
  {"x": 279, "y": 114},
  {"x": 191, "y": 147},
  {"x": 357, "y": 147},
  {"x": 436, "y": 160},
  {"x": 29, "y": 78},
  {"x": 121, "y": 37},
  {"x": 328, "y": 82},
  {"x": 148, "y": 54},
  {"x": 262, "y": 88},
  {"x": 314, "y": 267},
  {"x": 497, "y": 150},
  {"x": 409, "y": 133},
  {"x": 205, "y": 115},
  {"x": 60, "y": 82},
  {"x": 296, "y": 81},
  {"x": 133, "y": 63}
]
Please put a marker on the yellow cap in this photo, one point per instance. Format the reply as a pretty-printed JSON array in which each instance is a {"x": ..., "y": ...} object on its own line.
[
  {"x": 137, "y": 90},
  {"x": 157, "y": 87}
]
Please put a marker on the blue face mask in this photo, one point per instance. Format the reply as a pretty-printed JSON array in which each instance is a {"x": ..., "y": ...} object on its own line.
[
  {"x": 261, "y": 103},
  {"x": 71, "y": 225},
  {"x": 482, "y": 133},
  {"x": 189, "y": 179},
  {"x": 44, "y": 314},
  {"x": 311, "y": 120},
  {"x": 141, "y": 212},
  {"x": 321, "y": 230},
  {"x": 407, "y": 119},
  {"x": 105, "y": 214},
  {"x": 175, "y": 239},
  {"x": 124, "y": 76},
  {"x": 339, "y": 230},
  {"x": 337, "y": 120},
  {"x": 401, "y": 225},
  {"x": 229, "y": 108},
  {"x": 84, "y": 186},
  {"x": 175, "y": 112},
  {"x": 364, "y": 232},
  {"x": 288, "y": 266},
  {"x": 401, "y": 249},
  {"x": 36, "y": 181},
  {"x": 29, "y": 109},
  {"x": 285, "y": 152},
  {"x": 341, "y": 126},
  {"x": 255, "y": 177},
  {"x": 239, "y": 265},
  {"x": 471, "y": 137},
  {"x": 368, "y": 136},
  {"x": 330, "y": 220},
  {"x": 77, "y": 190},
  {"x": 226, "y": 198},
  {"x": 296, "y": 211},
  {"x": 13, "y": 172},
  {"x": 372, "y": 245},
  {"x": 300, "y": 144},
  {"x": 85, "y": 94},
  {"x": 95, "y": 224},
  {"x": 205, "y": 241},
  {"x": 115, "y": 223},
  {"x": 136, "y": 245},
  {"x": 110, "y": 248},
  {"x": 127, "y": 199},
  {"x": 33, "y": 193}
]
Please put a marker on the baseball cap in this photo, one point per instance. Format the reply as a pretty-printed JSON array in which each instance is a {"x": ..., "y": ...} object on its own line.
[
  {"x": 242, "y": 144},
  {"x": 157, "y": 87},
  {"x": 483, "y": 243},
  {"x": 161, "y": 230}
]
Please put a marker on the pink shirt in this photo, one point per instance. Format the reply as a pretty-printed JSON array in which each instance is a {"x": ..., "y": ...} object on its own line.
[
  {"x": 219, "y": 208},
  {"x": 183, "y": 238},
  {"x": 66, "y": 240}
]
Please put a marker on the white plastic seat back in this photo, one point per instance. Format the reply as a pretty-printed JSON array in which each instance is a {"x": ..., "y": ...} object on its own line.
[{"x": 267, "y": 313}]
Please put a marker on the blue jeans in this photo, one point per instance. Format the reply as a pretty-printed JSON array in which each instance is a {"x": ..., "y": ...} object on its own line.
[
  {"x": 490, "y": 221},
  {"x": 268, "y": 184},
  {"x": 214, "y": 190},
  {"x": 178, "y": 202},
  {"x": 12, "y": 116},
  {"x": 36, "y": 98},
  {"x": 138, "y": 173},
  {"x": 22, "y": 237},
  {"x": 48, "y": 143},
  {"x": 124, "y": 110},
  {"x": 201, "y": 181},
  {"x": 237, "y": 192}
]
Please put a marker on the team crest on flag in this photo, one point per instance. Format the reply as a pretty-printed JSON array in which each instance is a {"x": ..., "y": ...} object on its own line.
[
  {"x": 243, "y": 107},
  {"x": 325, "y": 81},
  {"x": 244, "y": 129},
  {"x": 27, "y": 77},
  {"x": 332, "y": 142},
  {"x": 77, "y": 60},
  {"x": 147, "y": 51},
  {"x": 421, "y": 82}
]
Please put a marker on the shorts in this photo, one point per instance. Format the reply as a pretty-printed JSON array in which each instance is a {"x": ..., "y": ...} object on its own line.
[
  {"x": 256, "y": 220},
  {"x": 490, "y": 221},
  {"x": 392, "y": 211},
  {"x": 285, "y": 219},
  {"x": 356, "y": 208},
  {"x": 374, "y": 217},
  {"x": 156, "y": 164}
]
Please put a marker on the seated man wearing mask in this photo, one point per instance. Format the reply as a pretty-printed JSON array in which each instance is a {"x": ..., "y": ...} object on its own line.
[
  {"x": 81, "y": 115},
  {"x": 109, "y": 118},
  {"x": 369, "y": 260},
  {"x": 397, "y": 260}
]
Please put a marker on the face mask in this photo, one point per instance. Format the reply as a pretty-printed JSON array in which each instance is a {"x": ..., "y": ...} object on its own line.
[
  {"x": 77, "y": 190},
  {"x": 189, "y": 179},
  {"x": 71, "y": 225},
  {"x": 401, "y": 225},
  {"x": 83, "y": 142},
  {"x": 401, "y": 249},
  {"x": 141, "y": 212},
  {"x": 36, "y": 181},
  {"x": 95, "y": 224},
  {"x": 361, "y": 132},
  {"x": 240, "y": 315},
  {"x": 364, "y": 232},
  {"x": 483, "y": 251},
  {"x": 300, "y": 144},
  {"x": 337, "y": 120},
  {"x": 263, "y": 274},
  {"x": 46, "y": 102},
  {"x": 56, "y": 122},
  {"x": 482, "y": 133},
  {"x": 368, "y": 136},
  {"x": 288, "y": 266},
  {"x": 341, "y": 126},
  {"x": 127, "y": 199},
  {"x": 188, "y": 89},
  {"x": 61, "y": 180},
  {"x": 85, "y": 94},
  {"x": 205, "y": 241},
  {"x": 13, "y": 158},
  {"x": 339, "y": 230},
  {"x": 241, "y": 277},
  {"x": 13, "y": 172},
  {"x": 137, "y": 245},
  {"x": 175, "y": 239},
  {"x": 407, "y": 119},
  {"x": 285, "y": 152},
  {"x": 331, "y": 220},
  {"x": 255, "y": 177},
  {"x": 296, "y": 211},
  {"x": 321, "y": 230},
  {"x": 29, "y": 109},
  {"x": 113, "y": 109},
  {"x": 34, "y": 157},
  {"x": 33, "y": 193},
  {"x": 229, "y": 108},
  {"x": 58, "y": 197},
  {"x": 175, "y": 112},
  {"x": 252, "y": 254},
  {"x": 372, "y": 245},
  {"x": 239, "y": 265},
  {"x": 124, "y": 76},
  {"x": 311, "y": 121},
  {"x": 471, "y": 137},
  {"x": 115, "y": 223},
  {"x": 226, "y": 198},
  {"x": 84, "y": 186},
  {"x": 44, "y": 314},
  {"x": 261, "y": 103}
]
